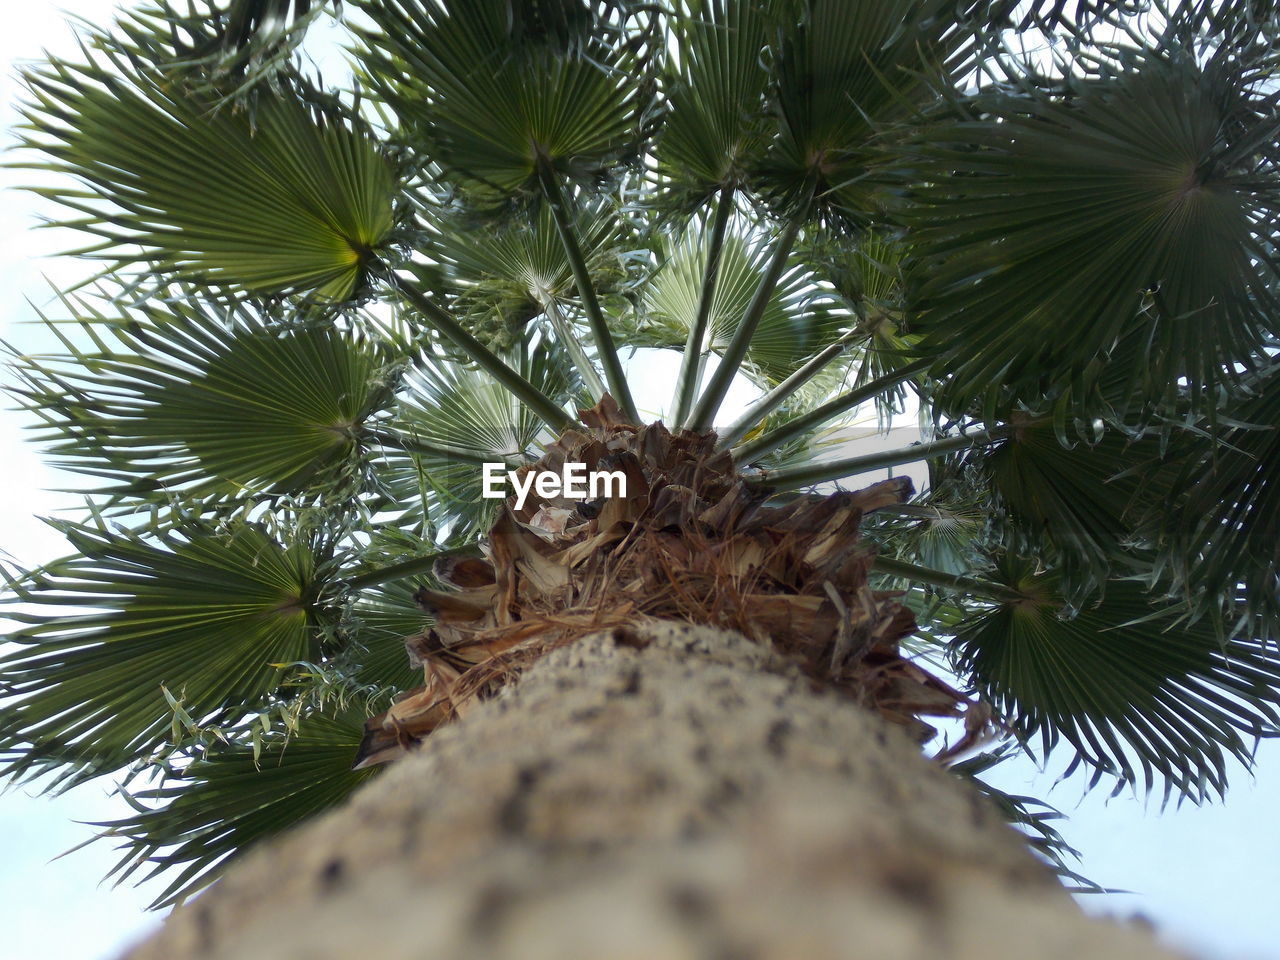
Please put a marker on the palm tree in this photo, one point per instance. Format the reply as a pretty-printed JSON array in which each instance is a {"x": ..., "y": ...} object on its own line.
[{"x": 1049, "y": 227}]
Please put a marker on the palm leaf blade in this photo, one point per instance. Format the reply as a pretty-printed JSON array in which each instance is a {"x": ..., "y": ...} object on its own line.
[{"x": 211, "y": 619}]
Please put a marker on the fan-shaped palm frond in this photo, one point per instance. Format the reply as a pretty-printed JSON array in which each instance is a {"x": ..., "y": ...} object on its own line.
[
  {"x": 212, "y": 619},
  {"x": 174, "y": 397},
  {"x": 940, "y": 531},
  {"x": 451, "y": 419},
  {"x": 510, "y": 274},
  {"x": 490, "y": 103},
  {"x": 1220, "y": 542},
  {"x": 1050, "y": 225},
  {"x": 1081, "y": 499},
  {"x": 716, "y": 128},
  {"x": 381, "y": 617},
  {"x": 219, "y": 805},
  {"x": 844, "y": 72},
  {"x": 795, "y": 325},
  {"x": 868, "y": 276},
  {"x": 1137, "y": 693},
  {"x": 524, "y": 263},
  {"x": 452, "y": 407},
  {"x": 291, "y": 197},
  {"x": 1187, "y": 506}
]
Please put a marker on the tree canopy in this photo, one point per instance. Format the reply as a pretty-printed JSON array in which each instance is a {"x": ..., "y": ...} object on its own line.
[{"x": 314, "y": 311}]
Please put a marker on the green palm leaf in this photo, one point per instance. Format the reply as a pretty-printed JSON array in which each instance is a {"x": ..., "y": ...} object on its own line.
[
  {"x": 511, "y": 273},
  {"x": 180, "y": 399},
  {"x": 716, "y": 127},
  {"x": 488, "y": 94},
  {"x": 845, "y": 71},
  {"x": 795, "y": 325},
  {"x": 449, "y": 420},
  {"x": 1049, "y": 228},
  {"x": 868, "y": 275},
  {"x": 1221, "y": 540},
  {"x": 289, "y": 197},
  {"x": 452, "y": 407},
  {"x": 1134, "y": 691},
  {"x": 210, "y": 616},
  {"x": 1190, "y": 506},
  {"x": 940, "y": 532},
  {"x": 382, "y": 617},
  {"x": 1078, "y": 500},
  {"x": 229, "y": 798}
]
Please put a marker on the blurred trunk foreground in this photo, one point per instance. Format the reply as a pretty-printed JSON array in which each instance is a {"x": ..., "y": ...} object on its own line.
[{"x": 666, "y": 793}]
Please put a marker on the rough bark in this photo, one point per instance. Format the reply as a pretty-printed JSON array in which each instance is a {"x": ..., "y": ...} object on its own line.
[{"x": 674, "y": 793}]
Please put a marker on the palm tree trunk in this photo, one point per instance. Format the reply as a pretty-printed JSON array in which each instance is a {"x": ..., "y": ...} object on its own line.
[{"x": 657, "y": 793}]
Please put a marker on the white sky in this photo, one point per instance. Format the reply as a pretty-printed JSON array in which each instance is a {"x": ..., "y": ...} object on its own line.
[
  {"x": 1207, "y": 877},
  {"x": 54, "y": 909}
]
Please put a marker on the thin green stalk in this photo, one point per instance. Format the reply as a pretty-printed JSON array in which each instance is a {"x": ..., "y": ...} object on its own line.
[
  {"x": 809, "y": 475},
  {"x": 605, "y": 348},
  {"x": 704, "y": 412},
  {"x": 413, "y": 445},
  {"x": 947, "y": 581},
  {"x": 691, "y": 363},
  {"x": 833, "y": 408},
  {"x": 542, "y": 405},
  {"x": 407, "y": 568},
  {"x": 565, "y": 334},
  {"x": 779, "y": 394}
]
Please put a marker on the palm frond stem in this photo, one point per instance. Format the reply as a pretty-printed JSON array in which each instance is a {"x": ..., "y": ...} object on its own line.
[
  {"x": 947, "y": 581},
  {"x": 691, "y": 364},
  {"x": 791, "y": 478},
  {"x": 542, "y": 405},
  {"x": 564, "y": 332},
  {"x": 815, "y": 418},
  {"x": 704, "y": 413},
  {"x": 407, "y": 568},
  {"x": 779, "y": 394},
  {"x": 605, "y": 347}
]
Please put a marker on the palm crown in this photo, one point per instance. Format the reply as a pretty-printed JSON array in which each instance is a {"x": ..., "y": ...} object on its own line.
[{"x": 321, "y": 311}]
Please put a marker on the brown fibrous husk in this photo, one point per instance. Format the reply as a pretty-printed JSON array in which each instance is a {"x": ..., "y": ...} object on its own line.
[{"x": 691, "y": 541}]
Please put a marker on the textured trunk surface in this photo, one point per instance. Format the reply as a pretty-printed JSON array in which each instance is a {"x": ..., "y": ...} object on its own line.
[{"x": 671, "y": 793}]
